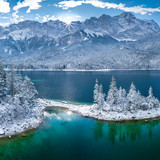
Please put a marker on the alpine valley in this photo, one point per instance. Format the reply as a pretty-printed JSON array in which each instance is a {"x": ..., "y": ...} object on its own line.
[{"x": 119, "y": 42}]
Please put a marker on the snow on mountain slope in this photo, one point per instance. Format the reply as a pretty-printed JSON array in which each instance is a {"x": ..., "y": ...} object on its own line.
[{"x": 124, "y": 35}]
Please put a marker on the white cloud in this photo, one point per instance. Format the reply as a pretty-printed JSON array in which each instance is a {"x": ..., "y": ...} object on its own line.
[
  {"x": 31, "y": 4},
  {"x": 45, "y": 18},
  {"x": 69, "y": 18},
  {"x": 4, "y": 24},
  {"x": 16, "y": 18},
  {"x": 96, "y": 3},
  {"x": 4, "y": 6},
  {"x": 4, "y": 17},
  {"x": 63, "y": 17}
]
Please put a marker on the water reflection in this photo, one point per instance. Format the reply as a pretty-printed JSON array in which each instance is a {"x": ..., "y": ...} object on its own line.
[
  {"x": 81, "y": 136},
  {"x": 115, "y": 131},
  {"x": 98, "y": 131},
  {"x": 120, "y": 132}
]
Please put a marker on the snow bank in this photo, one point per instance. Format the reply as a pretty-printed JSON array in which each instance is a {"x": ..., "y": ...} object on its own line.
[
  {"x": 93, "y": 112},
  {"x": 12, "y": 124}
]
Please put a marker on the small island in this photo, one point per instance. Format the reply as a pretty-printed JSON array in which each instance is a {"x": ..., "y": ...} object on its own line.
[
  {"x": 117, "y": 105},
  {"x": 20, "y": 109}
]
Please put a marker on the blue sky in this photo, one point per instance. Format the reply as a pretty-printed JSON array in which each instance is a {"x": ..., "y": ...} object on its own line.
[{"x": 13, "y": 11}]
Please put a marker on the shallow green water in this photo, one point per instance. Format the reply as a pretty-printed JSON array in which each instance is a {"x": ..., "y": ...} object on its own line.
[{"x": 65, "y": 135}]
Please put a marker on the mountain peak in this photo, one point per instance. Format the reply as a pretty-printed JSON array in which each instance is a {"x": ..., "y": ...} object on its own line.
[
  {"x": 127, "y": 15},
  {"x": 104, "y": 17}
]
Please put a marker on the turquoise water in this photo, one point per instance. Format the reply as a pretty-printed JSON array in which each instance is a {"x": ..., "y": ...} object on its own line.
[{"x": 65, "y": 135}]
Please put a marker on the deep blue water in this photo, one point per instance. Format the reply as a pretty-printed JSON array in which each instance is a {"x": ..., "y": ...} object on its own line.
[
  {"x": 69, "y": 136},
  {"x": 78, "y": 86}
]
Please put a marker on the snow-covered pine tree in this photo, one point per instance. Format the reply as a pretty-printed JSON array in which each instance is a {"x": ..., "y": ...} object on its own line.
[
  {"x": 19, "y": 83},
  {"x": 140, "y": 99},
  {"x": 150, "y": 92},
  {"x": 121, "y": 99},
  {"x": 101, "y": 97},
  {"x": 152, "y": 101},
  {"x": 3, "y": 88},
  {"x": 112, "y": 93},
  {"x": 12, "y": 83},
  {"x": 30, "y": 93},
  {"x": 132, "y": 97},
  {"x": 96, "y": 92}
]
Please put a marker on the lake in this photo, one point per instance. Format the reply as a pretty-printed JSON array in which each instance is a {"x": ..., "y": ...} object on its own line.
[{"x": 65, "y": 135}]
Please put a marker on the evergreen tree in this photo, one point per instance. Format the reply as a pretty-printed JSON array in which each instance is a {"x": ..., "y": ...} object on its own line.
[
  {"x": 132, "y": 93},
  {"x": 121, "y": 99},
  {"x": 121, "y": 93},
  {"x": 152, "y": 101},
  {"x": 132, "y": 98},
  {"x": 112, "y": 93},
  {"x": 150, "y": 92},
  {"x": 29, "y": 92},
  {"x": 3, "y": 88},
  {"x": 12, "y": 82},
  {"x": 101, "y": 97},
  {"x": 19, "y": 83},
  {"x": 96, "y": 92}
]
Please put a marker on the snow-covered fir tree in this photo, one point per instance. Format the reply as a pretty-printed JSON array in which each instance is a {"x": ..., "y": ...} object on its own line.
[
  {"x": 121, "y": 99},
  {"x": 98, "y": 95},
  {"x": 152, "y": 101},
  {"x": 112, "y": 96},
  {"x": 132, "y": 97},
  {"x": 30, "y": 93},
  {"x": 3, "y": 88},
  {"x": 12, "y": 82},
  {"x": 96, "y": 92},
  {"x": 19, "y": 107},
  {"x": 118, "y": 100},
  {"x": 101, "y": 97}
]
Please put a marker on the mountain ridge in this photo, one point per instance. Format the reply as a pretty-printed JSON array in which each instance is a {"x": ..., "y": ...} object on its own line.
[{"x": 124, "y": 34}]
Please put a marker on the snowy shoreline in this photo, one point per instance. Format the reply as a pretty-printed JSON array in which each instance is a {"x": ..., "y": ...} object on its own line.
[
  {"x": 16, "y": 127},
  {"x": 83, "y": 70},
  {"x": 20, "y": 109},
  {"x": 89, "y": 111}
]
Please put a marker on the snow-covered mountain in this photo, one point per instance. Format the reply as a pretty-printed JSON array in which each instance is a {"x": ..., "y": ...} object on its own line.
[{"x": 68, "y": 44}]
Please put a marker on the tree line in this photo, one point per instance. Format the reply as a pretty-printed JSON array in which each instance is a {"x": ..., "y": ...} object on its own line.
[{"x": 118, "y": 100}]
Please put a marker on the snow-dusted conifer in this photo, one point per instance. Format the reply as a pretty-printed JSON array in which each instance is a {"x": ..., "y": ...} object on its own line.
[
  {"x": 96, "y": 92},
  {"x": 132, "y": 98},
  {"x": 3, "y": 89},
  {"x": 150, "y": 92},
  {"x": 132, "y": 95},
  {"x": 101, "y": 97},
  {"x": 12, "y": 86},
  {"x": 121, "y": 99},
  {"x": 121, "y": 93},
  {"x": 30, "y": 93},
  {"x": 112, "y": 93},
  {"x": 152, "y": 101},
  {"x": 140, "y": 99},
  {"x": 19, "y": 83}
]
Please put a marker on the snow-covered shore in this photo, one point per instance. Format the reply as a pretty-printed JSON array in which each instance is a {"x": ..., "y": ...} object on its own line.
[
  {"x": 85, "y": 70},
  {"x": 12, "y": 126},
  {"x": 91, "y": 111},
  {"x": 20, "y": 110}
]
